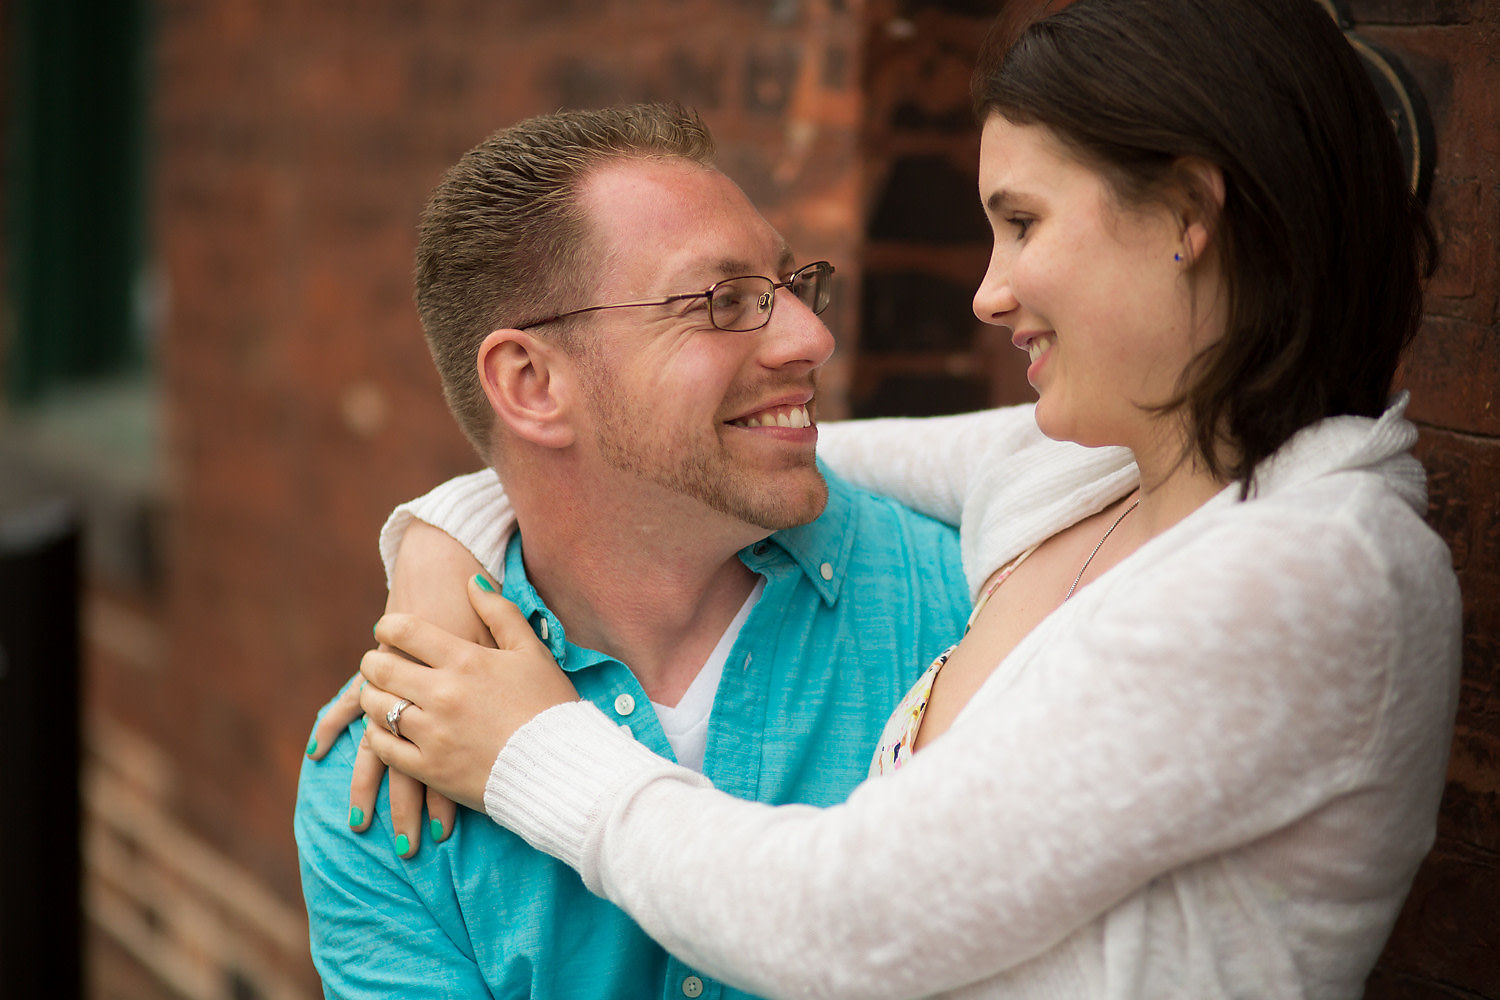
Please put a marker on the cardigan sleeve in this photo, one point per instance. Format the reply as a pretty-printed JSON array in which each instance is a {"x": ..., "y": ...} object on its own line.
[
  {"x": 472, "y": 508},
  {"x": 1217, "y": 693},
  {"x": 926, "y": 463}
]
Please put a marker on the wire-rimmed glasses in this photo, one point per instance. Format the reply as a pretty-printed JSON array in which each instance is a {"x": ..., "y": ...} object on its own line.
[{"x": 737, "y": 305}]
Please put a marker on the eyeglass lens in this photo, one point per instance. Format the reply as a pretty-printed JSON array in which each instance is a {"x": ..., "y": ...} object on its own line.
[{"x": 743, "y": 304}]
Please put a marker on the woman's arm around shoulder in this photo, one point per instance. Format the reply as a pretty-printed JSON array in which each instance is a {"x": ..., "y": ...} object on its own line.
[
  {"x": 473, "y": 509},
  {"x": 1229, "y": 666},
  {"x": 926, "y": 463}
]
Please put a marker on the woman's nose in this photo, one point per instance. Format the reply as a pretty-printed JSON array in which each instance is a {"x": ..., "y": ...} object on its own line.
[{"x": 994, "y": 300}]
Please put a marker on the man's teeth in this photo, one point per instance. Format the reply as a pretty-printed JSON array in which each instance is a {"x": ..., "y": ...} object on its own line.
[{"x": 792, "y": 416}]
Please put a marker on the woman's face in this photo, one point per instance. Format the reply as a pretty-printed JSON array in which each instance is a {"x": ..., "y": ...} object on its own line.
[{"x": 1100, "y": 296}]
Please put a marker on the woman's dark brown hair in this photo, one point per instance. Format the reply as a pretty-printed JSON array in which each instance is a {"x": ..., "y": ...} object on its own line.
[{"x": 1323, "y": 245}]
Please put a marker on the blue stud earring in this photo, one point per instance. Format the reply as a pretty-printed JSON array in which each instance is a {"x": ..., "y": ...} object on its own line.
[{"x": 1177, "y": 257}]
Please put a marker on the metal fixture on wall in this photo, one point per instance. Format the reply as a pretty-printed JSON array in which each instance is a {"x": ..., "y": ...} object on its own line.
[{"x": 1401, "y": 96}]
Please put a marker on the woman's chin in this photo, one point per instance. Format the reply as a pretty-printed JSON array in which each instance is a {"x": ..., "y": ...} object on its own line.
[
  {"x": 1052, "y": 423},
  {"x": 1059, "y": 424}
]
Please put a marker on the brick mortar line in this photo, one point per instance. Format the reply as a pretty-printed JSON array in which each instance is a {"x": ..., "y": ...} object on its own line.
[
  {"x": 1464, "y": 993},
  {"x": 1470, "y": 436},
  {"x": 184, "y": 970},
  {"x": 111, "y": 912},
  {"x": 1485, "y": 854},
  {"x": 193, "y": 921},
  {"x": 122, "y": 810}
]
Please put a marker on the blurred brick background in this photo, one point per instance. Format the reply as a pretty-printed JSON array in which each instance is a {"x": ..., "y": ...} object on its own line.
[{"x": 292, "y": 145}]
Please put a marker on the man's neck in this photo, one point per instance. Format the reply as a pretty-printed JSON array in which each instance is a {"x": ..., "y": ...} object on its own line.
[{"x": 648, "y": 590}]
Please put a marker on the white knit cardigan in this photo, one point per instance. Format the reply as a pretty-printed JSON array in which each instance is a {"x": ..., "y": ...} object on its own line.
[{"x": 1212, "y": 773}]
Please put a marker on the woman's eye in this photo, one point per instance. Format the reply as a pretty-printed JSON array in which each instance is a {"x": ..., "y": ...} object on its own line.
[{"x": 1023, "y": 225}]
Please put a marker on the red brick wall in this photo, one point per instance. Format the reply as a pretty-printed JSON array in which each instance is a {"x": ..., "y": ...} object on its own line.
[
  {"x": 923, "y": 352},
  {"x": 294, "y": 146},
  {"x": 1444, "y": 945}
]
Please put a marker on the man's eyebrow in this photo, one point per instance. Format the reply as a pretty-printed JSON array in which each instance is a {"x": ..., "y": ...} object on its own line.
[{"x": 735, "y": 267}]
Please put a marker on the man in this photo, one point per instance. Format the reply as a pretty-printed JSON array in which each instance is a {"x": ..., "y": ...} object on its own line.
[{"x": 650, "y": 409}]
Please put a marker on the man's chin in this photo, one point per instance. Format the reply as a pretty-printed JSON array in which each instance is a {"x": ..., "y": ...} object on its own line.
[{"x": 797, "y": 505}]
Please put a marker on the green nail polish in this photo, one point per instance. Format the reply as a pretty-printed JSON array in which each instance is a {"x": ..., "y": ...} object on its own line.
[
  {"x": 312, "y": 746},
  {"x": 372, "y": 631},
  {"x": 436, "y": 826},
  {"x": 483, "y": 583},
  {"x": 356, "y": 816},
  {"x": 402, "y": 844}
]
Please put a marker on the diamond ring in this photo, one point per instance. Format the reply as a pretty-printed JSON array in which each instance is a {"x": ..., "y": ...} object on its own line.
[{"x": 393, "y": 717}]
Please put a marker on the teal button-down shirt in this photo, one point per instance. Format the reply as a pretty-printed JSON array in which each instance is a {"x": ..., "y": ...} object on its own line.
[{"x": 855, "y": 606}]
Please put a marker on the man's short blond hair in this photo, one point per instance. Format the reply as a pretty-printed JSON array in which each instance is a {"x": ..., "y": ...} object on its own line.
[{"x": 502, "y": 238}]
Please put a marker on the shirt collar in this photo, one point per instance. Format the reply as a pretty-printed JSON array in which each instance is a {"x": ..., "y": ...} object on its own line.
[
  {"x": 820, "y": 548},
  {"x": 516, "y": 588}
]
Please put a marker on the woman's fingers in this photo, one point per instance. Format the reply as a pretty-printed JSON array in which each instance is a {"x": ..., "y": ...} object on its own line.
[
  {"x": 401, "y": 754},
  {"x": 378, "y": 705},
  {"x": 442, "y": 813},
  {"x": 364, "y": 785},
  {"x": 507, "y": 625},
  {"x": 406, "y": 797},
  {"x": 533, "y": 682},
  {"x": 394, "y": 673},
  {"x": 340, "y": 715},
  {"x": 407, "y": 794},
  {"x": 420, "y": 639},
  {"x": 448, "y": 764},
  {"x": 463, "y": 710}
]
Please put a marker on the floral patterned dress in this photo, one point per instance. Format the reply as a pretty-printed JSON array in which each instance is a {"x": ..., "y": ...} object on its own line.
[{"x": 900, "y": 733}]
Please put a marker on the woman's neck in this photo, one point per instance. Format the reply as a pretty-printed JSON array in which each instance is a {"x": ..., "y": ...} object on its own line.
[{"x": 1174, "y": 483}]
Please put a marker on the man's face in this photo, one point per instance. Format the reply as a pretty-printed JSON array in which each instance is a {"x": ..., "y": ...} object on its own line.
[{"x": 689, "y": 410}]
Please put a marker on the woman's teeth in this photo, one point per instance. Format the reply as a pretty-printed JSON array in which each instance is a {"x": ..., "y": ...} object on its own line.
[
  {"x": 785, "y": 416},
  {"x": 1038, "y": 347}
]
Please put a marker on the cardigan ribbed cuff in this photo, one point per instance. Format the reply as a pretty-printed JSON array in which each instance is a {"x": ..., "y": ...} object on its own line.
[
  {"x": 472, "y": 508},
  {"x": 556, "y": 778}
]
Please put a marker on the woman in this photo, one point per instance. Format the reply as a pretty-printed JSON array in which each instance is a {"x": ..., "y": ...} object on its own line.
[{"x": 1191, "y": 745}]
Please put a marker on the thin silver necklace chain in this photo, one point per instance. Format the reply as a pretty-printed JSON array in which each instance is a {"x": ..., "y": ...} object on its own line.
[{"x": 1082, "y": 569}]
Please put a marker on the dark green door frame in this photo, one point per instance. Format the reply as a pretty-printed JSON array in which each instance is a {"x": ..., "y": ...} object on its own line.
[{"x": 76, "y": 195}]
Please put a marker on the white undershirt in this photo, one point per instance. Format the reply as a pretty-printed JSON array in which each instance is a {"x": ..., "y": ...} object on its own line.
[{"x": 686, "y": 724}]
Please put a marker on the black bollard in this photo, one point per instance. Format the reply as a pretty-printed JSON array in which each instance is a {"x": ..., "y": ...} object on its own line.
[{"x": 41, "y": 947}]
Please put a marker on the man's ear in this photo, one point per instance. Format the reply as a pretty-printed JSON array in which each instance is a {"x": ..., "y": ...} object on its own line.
[
  {"x": 1201, "y": 204},
  {"x": 530, "y": 387}
]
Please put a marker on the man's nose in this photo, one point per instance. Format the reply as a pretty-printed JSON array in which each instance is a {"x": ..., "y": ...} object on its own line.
[{"x": 795, "y": 334}]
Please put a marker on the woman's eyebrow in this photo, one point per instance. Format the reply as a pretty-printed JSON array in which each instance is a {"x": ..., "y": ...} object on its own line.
[{"x": 998, "y": 200}]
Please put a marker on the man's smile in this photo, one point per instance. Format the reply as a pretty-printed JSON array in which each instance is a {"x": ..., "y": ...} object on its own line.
[{"x": 776, "y": 416}]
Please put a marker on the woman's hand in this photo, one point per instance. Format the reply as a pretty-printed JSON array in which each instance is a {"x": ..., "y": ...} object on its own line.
[
  {"x": 428, "y": 580},
  {"x": 466, "y": 707}
]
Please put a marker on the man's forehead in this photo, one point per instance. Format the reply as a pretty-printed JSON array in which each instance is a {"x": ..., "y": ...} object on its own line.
[{"x": 685, "y": 220}]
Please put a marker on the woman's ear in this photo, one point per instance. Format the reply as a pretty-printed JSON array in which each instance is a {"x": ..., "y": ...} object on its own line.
[
  {"x": 1201, "y": 204},
  {"x": 529, "y": 385}
]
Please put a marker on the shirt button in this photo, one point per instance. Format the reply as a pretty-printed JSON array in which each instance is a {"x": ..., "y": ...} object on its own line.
[
  {"x": 542, "y": 630},
  {"x": 761, "y": 548},
  {"x": 826, "y": 570},
  {"x": 624, "y": 704},
  {"x": 692, "y": 986}
]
